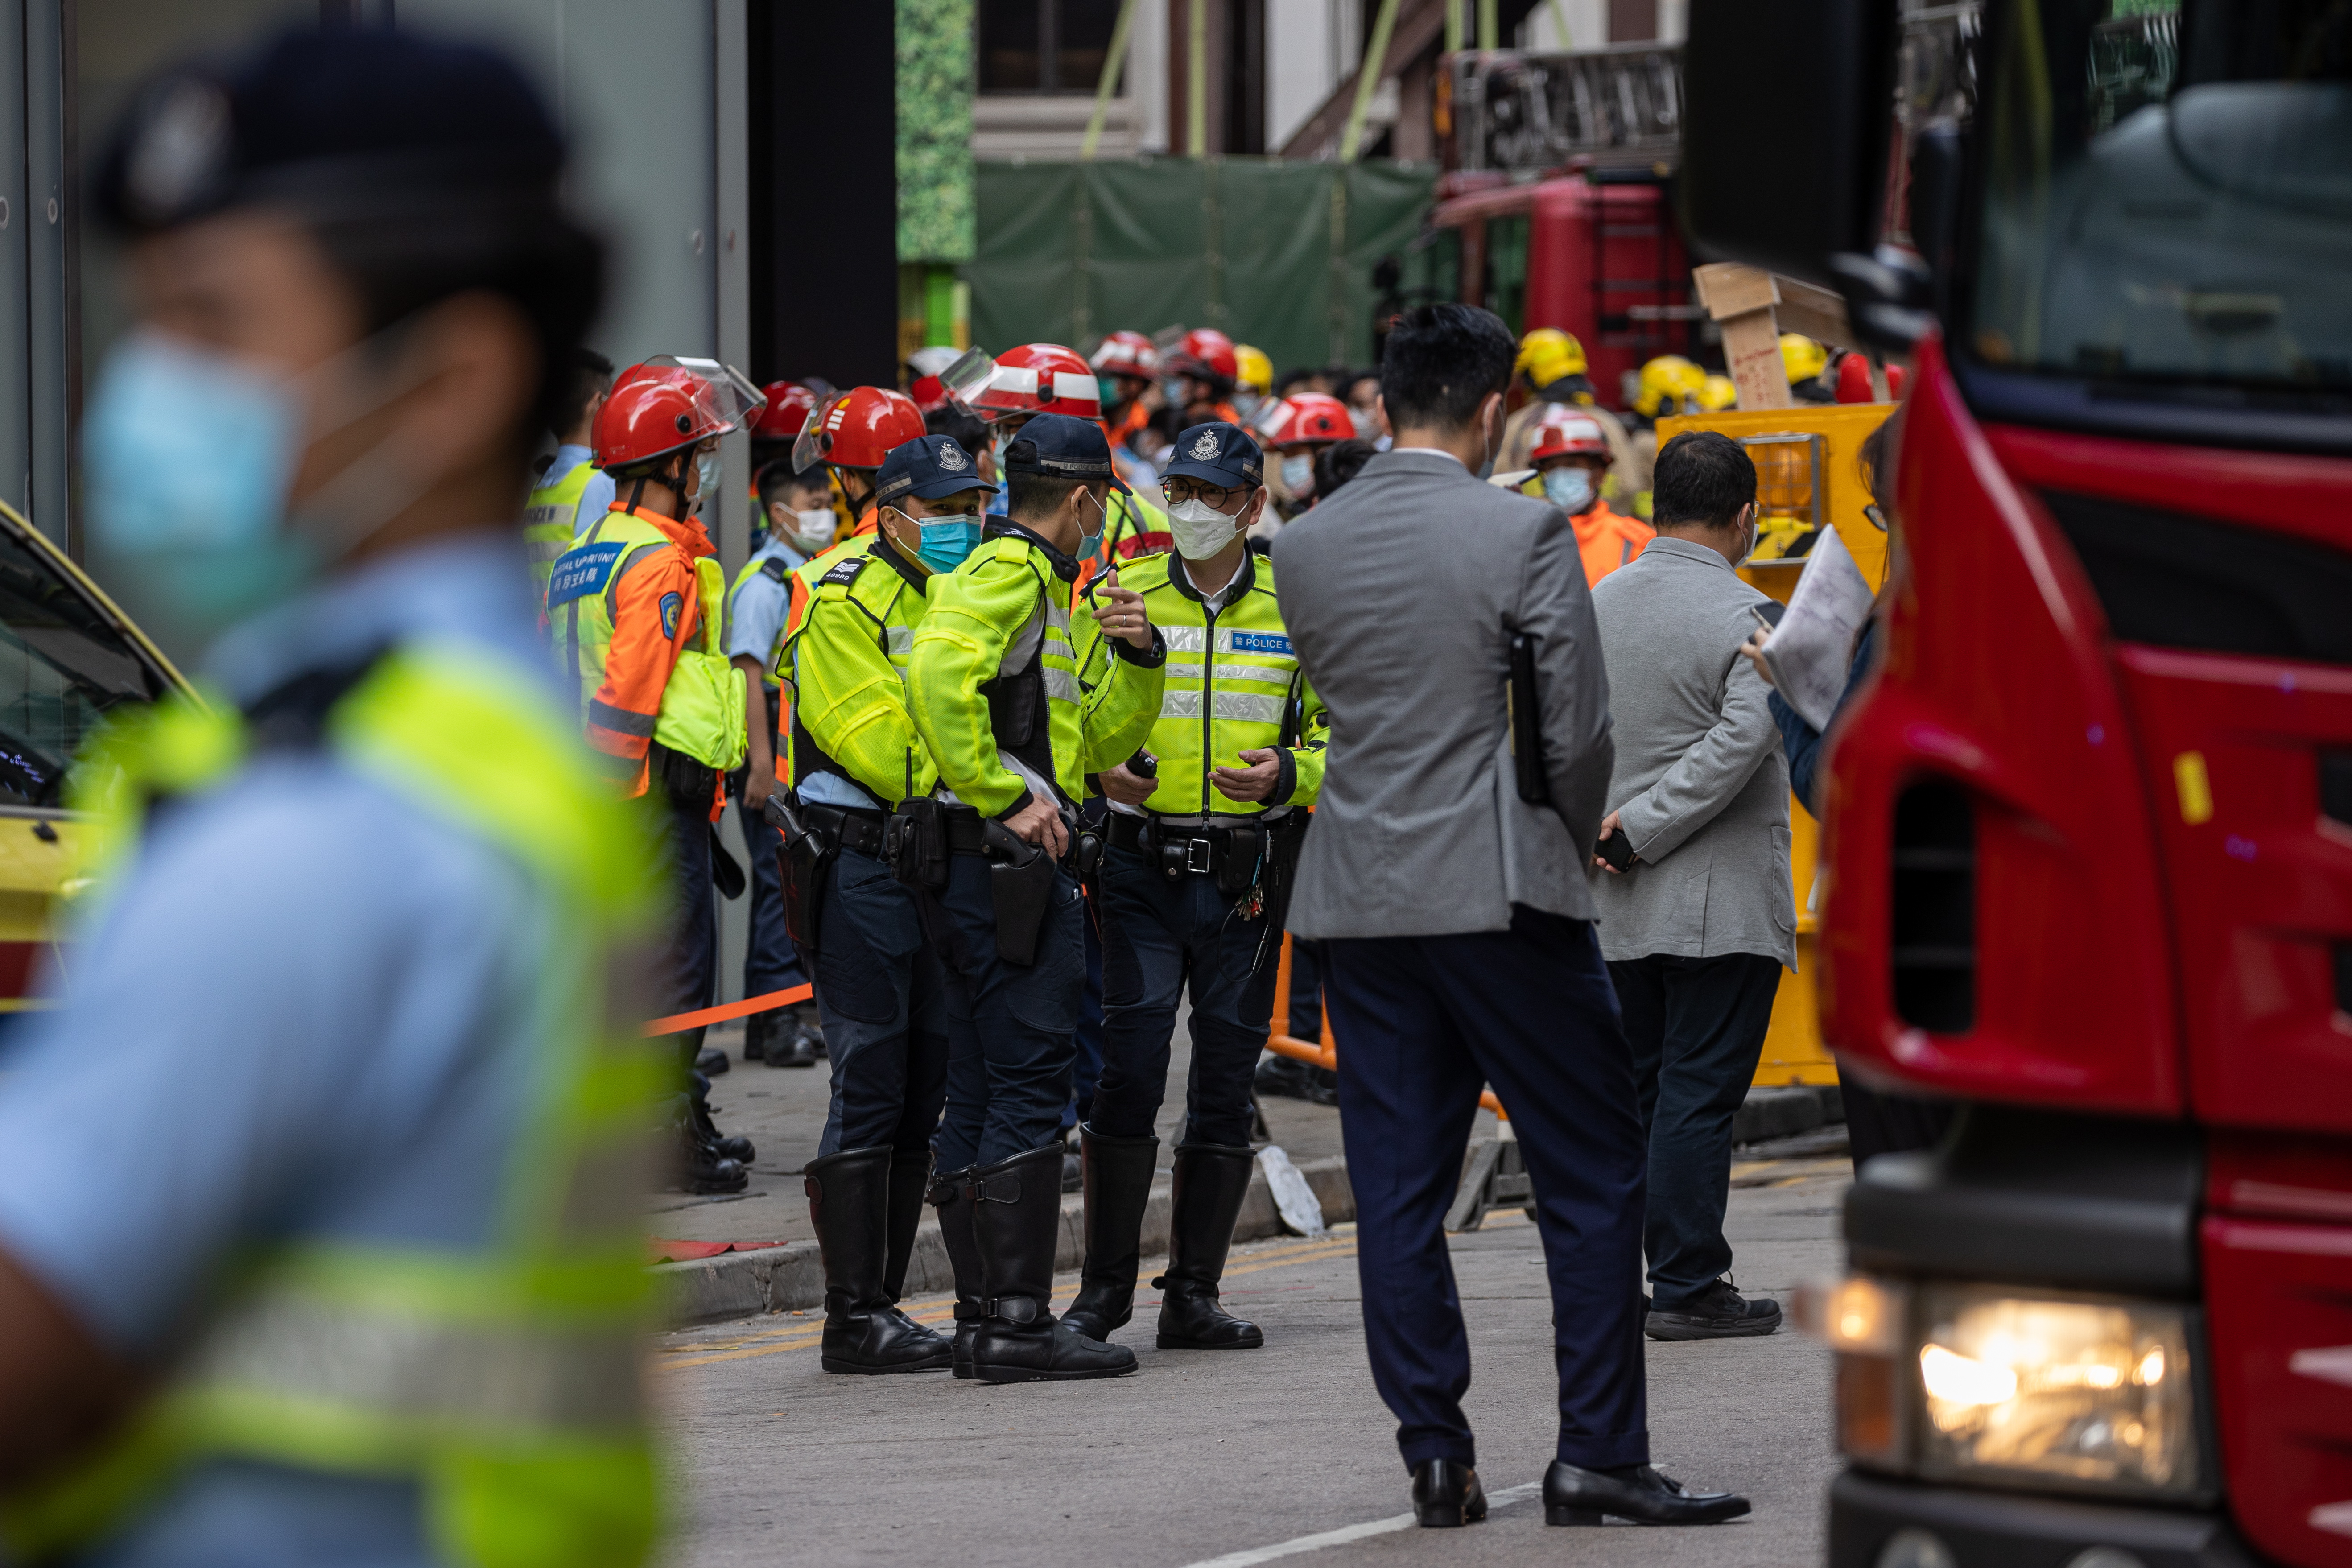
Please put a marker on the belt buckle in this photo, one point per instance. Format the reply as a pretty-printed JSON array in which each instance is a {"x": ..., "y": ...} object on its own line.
[{"x": 1196, "y": 855}]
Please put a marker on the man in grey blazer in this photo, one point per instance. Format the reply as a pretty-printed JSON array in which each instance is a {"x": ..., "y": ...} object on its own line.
[
  {"x": 1456, "y": 924},
  {"x": 1698, "y": 924}
]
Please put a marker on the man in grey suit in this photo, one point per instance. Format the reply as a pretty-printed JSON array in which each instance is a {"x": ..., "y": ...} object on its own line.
[
  {"x": 1456, "y": 925},
  {"x": 1698, "y": 923}
]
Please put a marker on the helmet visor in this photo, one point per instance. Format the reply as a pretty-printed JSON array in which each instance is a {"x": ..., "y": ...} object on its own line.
[
  {"x": 725, "y": 394},
  {"x": 808, "y": 448},
  {"x": 967, "y": 378},
  {"x": 1268, "y": 420}
]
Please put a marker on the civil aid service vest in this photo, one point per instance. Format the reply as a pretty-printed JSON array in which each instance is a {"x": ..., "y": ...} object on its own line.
[
  {"x": 504, "y": 1377},
  {"x": 701, "y": 712}
]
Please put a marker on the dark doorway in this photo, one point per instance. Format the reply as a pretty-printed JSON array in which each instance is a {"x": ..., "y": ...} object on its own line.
[{"x": 825, "y": 192}]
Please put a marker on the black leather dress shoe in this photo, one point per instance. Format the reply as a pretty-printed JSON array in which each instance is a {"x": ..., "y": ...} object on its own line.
[
  {"x": 1447, "y": 1495},
  {"x": 1574, "y": 1495}
]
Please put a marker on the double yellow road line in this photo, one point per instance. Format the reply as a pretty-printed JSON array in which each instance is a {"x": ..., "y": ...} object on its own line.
[{"x": 942, "y": 1309}]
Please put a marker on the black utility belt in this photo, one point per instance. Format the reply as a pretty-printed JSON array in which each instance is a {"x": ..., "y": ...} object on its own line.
[
  {"x": 1233, "y": 853},
  {"x": 851, "y": 826}
]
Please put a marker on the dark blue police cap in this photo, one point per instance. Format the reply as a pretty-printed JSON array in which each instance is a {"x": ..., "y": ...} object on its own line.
[
  {"x": 1061, "y": 447},
  {"x": 350, "y": 120},
  {"x": 927, "y": 469},
  {"x": 1217, "y": 454}
]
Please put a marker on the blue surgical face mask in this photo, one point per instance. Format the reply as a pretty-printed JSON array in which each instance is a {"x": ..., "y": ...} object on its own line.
[
  {"x": 190, "y": 453},
  {"x": 946, "y": 541},
  {"x": 1089, "y": 544},
  {"x": 1298, "y": 474},
  {"x": 1570, "y": 488}
]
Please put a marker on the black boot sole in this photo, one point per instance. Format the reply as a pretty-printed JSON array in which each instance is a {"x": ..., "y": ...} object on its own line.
[
  {"x": 1256, "y": 1340},
  {"x": 943, "y": 1361},
  {"x": 1030, "y": 1374},
  {"x": 1676, "y": 1326}
]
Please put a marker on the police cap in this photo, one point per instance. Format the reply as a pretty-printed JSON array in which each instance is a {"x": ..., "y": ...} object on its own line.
[
  {"x": 328, "y": 123},
  {"x": 927, "y": 469},
  {"x": 1219, "y": 454},
  {"x": 1061, "y": 447}
]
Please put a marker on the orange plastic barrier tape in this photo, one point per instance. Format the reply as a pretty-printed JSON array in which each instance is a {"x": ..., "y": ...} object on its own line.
[{"x": 720, "y": 1015}]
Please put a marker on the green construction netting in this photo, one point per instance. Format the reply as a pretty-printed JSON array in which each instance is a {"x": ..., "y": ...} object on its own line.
[{"x": 1256, "y": 248}]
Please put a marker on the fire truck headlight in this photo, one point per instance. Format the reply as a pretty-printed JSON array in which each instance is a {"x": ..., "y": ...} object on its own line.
[{"x": 2076, "y": 1394}]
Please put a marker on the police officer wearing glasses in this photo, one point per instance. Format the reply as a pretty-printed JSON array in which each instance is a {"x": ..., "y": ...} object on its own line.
[{"x": 1193, "y": 884}]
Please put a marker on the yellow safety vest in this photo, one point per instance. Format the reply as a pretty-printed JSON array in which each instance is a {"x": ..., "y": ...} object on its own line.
[
  {"x": 547, "y": 518},
  {"x": 504, "y": 1378},
  {"x": 701, "y": 712},
  {"x": 1233, "y": 684}
]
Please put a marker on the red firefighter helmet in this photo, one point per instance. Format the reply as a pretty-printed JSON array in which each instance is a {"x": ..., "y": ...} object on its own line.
[
  {"x": 1207, "y": 352},
  {"x": 1563, "y": 431},
  {"x": 788, "y": 405},
  {"x": 1302, "y": 419},
  {"x": 925, "y": 389},
  {"x": 1038, "y": 378},
  {"x": 666, "y": 404},
  {"x": 1854, "y": 380},
  {"x": 857, "y": 428},
  {"x": 1128, "y": 354}
]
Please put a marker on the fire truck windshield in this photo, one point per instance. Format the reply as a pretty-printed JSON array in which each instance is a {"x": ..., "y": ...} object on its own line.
[{"x": 2168, "y": 198}]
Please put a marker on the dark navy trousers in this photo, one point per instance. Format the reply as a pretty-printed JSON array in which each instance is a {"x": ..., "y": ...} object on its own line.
[
  {"x": 1162, "y": 939},
  {"x": 1010, "y": 1027},
  {"x": 882, "y": 996},
  {"x": 1423, "y": 1024},
  {"x": 769, "y": 962}
]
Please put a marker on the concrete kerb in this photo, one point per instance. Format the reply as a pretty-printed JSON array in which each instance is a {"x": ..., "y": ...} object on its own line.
[{"x": 790, "y": 1279}]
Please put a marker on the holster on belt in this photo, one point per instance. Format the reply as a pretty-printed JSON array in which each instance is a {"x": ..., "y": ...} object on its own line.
[
  {"x": 915, "y": 843},
  {"x": 1021, "y": 885},
  {"x": 802, "y": 864},
  {"x": 1239, "y": 871}
]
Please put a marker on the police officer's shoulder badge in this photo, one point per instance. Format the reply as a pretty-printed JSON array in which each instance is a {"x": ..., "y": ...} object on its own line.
[
  {"x": 1205, "y": 449},
  {"x": 845, "y": 571},
  {"x": 952, "y": 457}
]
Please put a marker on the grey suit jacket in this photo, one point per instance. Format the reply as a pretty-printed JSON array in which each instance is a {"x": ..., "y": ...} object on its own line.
[
  {"x": 1401, "y": 594},
  {"x": 1701, "y": 788}
]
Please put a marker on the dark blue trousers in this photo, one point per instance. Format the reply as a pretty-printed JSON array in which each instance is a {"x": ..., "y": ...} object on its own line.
[
  {"x": 1162, "y": 939},
  {"x": 1010, "y": 1026},
  {"x": 883, "y": 999},
  {"x": 1306, "y": 1020},
  {"x": 1697, "y": 1026},
  {"x": 1422, "y": 1025},
  {"x": 1085, "y": 1072},
  {"x": 690, "y": 958}
]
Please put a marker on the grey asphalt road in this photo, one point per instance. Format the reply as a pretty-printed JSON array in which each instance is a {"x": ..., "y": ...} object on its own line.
[{"x": 1200, "y": 1456}]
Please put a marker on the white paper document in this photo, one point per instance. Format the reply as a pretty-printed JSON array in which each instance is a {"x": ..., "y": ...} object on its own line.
[{"x": 1809, "y": 651}]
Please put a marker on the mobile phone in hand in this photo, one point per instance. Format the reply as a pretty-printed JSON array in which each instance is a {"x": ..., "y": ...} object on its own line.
[{"x": 1615, "y": 850}]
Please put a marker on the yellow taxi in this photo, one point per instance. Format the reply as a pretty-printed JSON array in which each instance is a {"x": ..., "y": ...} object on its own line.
[{"x": 68, "y": 658}]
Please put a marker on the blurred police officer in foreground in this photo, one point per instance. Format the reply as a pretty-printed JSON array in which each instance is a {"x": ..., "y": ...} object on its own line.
[
  {"x": 1191, "y": 894},
  {"x": 342, "y": 998},
  {"x": 878, "y": 983},
  {"x": 997, "y": 698}
]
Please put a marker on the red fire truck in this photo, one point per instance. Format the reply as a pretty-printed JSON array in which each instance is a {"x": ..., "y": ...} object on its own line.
[{"x": 2090, "y": 826}]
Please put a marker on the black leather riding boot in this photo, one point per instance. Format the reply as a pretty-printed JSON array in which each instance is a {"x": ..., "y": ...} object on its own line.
[
  {"x": 1212, "y": 1180},
  {"x": 848, "y": 1197},
  {"x": 910, "y": 1175},
  {"x": 1017, "y": 1215},
  {"x": 951, "y": 1196},
  {"x": 1118, "y": 1187}
]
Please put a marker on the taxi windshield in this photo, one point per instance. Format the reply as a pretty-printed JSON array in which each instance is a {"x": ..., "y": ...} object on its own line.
[
  {"x": 2169, "y": 197},
  {"x": 63, "y": 664}
]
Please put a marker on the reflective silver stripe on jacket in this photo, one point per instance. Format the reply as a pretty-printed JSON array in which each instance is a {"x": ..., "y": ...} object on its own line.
[
  {"x": 1277, "y": 675},
  {"x": 1244, "y": 705},
  {"x": 406, "y": 1367},
  {"x": 1061, "y": 685},
  {"x": 1180, "y": 704},
  {"x": 899, "y": 640}
]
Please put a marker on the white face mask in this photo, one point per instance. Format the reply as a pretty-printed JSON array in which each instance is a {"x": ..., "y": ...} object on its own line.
[
  {"x": 1200, "y": 528},
  {"x": 813, "y": 530},
  {"x": 1298, "y": 474},
  {"x": 1570, "y": 488}
]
